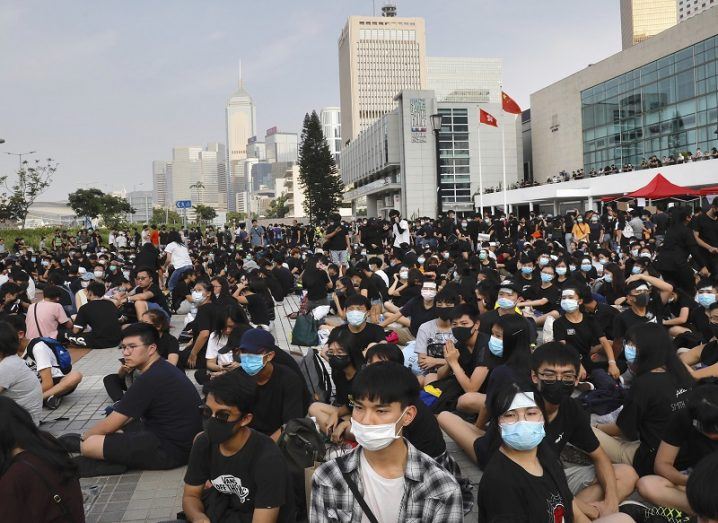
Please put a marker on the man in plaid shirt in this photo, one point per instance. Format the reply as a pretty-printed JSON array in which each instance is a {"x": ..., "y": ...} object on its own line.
[{"x": 394, "y": 481}]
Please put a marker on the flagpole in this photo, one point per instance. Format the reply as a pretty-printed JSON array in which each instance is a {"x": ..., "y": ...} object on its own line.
[
  {"x": 481, "y": 177},
  {"x": 503, "y": 154}
]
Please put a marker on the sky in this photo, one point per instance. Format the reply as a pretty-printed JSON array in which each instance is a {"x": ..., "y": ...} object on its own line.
[{"x": 105, "y": 88}]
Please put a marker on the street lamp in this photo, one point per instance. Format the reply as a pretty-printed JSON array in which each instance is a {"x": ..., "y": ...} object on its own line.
[
  {"x": 20, "y": 155},
  {"x": 436, "y": 121}
]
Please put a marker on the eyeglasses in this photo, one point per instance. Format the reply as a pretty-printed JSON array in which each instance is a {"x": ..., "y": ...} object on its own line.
[
  {"x": 511, "y": 417},
  {"x": 130, "y": 348},
  {"x": 568, "y": 378},
  {"x": 222, "y": 417}
]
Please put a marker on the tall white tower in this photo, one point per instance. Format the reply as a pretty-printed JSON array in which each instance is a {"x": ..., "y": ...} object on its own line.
[{"x": 241, "y": 120}]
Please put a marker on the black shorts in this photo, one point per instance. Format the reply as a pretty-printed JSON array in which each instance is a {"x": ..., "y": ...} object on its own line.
[{"x": 139, "y": 450}]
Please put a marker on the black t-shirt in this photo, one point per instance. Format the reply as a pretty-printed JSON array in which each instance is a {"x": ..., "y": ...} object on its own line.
[
  {"x": 103, "y": 317},
  {"x": 167, "y": 402},
  {"x": 204, "y": 321},
  {"x": 277, "y": 401},
  {"x": 157, "y": 296},
  {"x": 551, "y": 293},
  {"x": 653, "y": 398},
  {"x": 508, "y": 493},
  {"x": 315, "y": 283},
  {"x": 258, "y": 309},
  {"x": 179, "y": 293},
  {"x": 417, "y": 313},
  {"x": 412, "y": 291},
  {"x": 343, "y": 387},
  {"x": 468, "y": 361},
  {"x": 360, "y": 340},
  {"x": 627, "y": 319},
  {"x": 581, "y": 336},
  {"x": 338, "y": 242},
  {"x": 254, "y": 477},
  {"x": 604, "y": 315},
  {"x": 693, "y": 445},
  {"x": 167, "y": 345},
  {"x": 424, "y": 432},
  {"x": 571, "y": 425}
]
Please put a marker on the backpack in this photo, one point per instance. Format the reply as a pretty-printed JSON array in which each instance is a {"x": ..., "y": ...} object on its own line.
[
  {"x": 317, "y": 376},
  {"x": 304, "y": 332},
  {"x": 628, "y": 231},
  {"x": 63, "y": 358},
  {"x": 302, "y": 446}
]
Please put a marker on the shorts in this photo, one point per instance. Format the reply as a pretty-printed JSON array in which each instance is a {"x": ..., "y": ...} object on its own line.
[
  {"x": 339, "y": 257},
  {"x": 140, "y": 449},
  {"x": 579, "y": 477}
]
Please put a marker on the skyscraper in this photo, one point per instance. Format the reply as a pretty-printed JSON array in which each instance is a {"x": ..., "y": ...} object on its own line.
[
  {"x": 195, "y": 174},
  {"x": 241, "y": 119},
  {"x": 642, "y": 19},
  {"x": 690, "y": 8},
  {"x": 378, "y": 58},
  {"x": 332, "y": 128},
  {"x": 465, "y": 79},
  {"x": 160, "y": 191}
]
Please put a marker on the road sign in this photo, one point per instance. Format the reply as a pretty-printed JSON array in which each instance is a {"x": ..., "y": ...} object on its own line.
[{"x": 183, "y": 204}]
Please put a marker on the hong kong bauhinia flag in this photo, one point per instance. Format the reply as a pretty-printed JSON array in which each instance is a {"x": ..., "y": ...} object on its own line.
[
  {"x": 509, "y": 104},
  {"x": 487, "y": 119}
]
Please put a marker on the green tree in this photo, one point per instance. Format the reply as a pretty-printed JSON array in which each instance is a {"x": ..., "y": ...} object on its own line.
[
  {"x": 114, "y": 209},
  {"x": 204, "y": 213},
  {"x": 167, "y": 217},
  {"x": 236, "y": 217},
  {"x": 31, "y": 181},
  {"x": 87, "y": 203},
  {"x": 318, "y": 172},
  {"x": 278, "y": 208}
]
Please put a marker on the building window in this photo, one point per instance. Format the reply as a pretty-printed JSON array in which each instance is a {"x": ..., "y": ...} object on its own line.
[{"x": 454, "y": 158}]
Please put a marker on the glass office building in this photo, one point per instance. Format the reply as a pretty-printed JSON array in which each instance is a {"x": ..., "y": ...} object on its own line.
[
  {"x": 454, "y": 156},
  {"x": 665, "y": 107}
]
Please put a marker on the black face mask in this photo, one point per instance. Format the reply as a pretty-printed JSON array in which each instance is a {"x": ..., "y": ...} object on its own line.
[
  {"x": 339, "y": 362},
  {"x": 444, "y": 313},
  {"x": 555, "y": 392},
  {"x": 462, "y": 334},
  {"x": 641, "y": 300},
  {"x": 218, "y": 431}
]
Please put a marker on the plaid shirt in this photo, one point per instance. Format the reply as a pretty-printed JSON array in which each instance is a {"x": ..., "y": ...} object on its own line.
[{"x": 430, "y": 492}]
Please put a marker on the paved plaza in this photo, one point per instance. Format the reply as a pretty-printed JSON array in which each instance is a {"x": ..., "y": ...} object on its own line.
[{"x": 150, "y": 496}]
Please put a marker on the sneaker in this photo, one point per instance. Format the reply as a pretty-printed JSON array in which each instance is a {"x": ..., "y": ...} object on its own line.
[
  {"x": 638, "y": 511},
  {"x": 667, "y": 514},
  {"x": 52, "y": 402},
  {"x": 70, "y": 442}
]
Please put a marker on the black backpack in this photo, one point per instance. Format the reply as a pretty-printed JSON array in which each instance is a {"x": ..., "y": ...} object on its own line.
[{"x": 317, "y": 376}]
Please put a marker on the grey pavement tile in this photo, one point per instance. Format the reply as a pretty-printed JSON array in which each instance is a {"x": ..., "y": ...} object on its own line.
[
  {"x": 136, "y": 515},
  {"x": 110, "y": 517}
]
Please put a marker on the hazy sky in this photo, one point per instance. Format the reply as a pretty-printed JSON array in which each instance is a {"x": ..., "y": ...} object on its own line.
[{"x": 107, "y": 87}]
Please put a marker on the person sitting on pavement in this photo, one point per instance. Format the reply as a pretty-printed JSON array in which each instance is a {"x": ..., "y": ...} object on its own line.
[
  {"x": 42, "y": 360},
  {"x": 248, "y": 475},
  {"x": 32, "y": 463},
  {"x": 152, "y": 427},
  {"x": 227, "y": 321},
  {"x": 193, "y": 354},
  {"x": 17, "y": 381},
  {"x": 361, "y": 332},
  {"x": 46, "y": 317},
  {"x": 146, "y": 295},
  {"x": 102, "y": 319}
]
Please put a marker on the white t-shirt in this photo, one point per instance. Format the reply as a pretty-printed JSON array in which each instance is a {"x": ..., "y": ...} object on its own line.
[
  {"x": 381, "y": 494},
  {"x": 21, "y": 385},
  {"x": 180, "y": 255},
  {"x": 402, "y": 237},
  {"x": 213, "y": 345},
  {"x": 383, "y": 276},
  {"x": 44, "y": 358}
]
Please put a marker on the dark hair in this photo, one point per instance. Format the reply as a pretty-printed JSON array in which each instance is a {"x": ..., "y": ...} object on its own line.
[
  {"x": 159, "y": 320},
  {"x": 223, "y": 283},
  {"x": 375, "y": 260},
  {"x": 619, "y": 281},
  {"x": 9, "y": 343},
  {"x": 148, "y": 270},
  {"x": 17, "y": 322},
  {"x": 17, "y": 429},
  {"x": 234, "y": 389},
  {"x": 207, "y": 286},
  {"x": 345, "y": 340},
  {"x": 703, "y": 405},
  {"x": 147, "y": 333},
  {"x": 52, "y": 292},
  {"x": 9, "y": 288},
  {"x": 174, "y": 236},
  {"x": 222, "y": 314},
  {"x": 555, "y": 353},
  {"x": 700, "y": 488},
  {"x": 385, "y": 352},
  {"x": 465, "y": 309},
  {"x": 357, "y": 299},
  {"x": 186, "y": 274},
  {"x": 386, "y": 382},
  {"x": 654, "y": 349},
  {"x": 446, "y": 296},
  {"x": 517, "y": 352},
  {"x": 96, "y": 288},
  {"x": 500, "y": 402}
]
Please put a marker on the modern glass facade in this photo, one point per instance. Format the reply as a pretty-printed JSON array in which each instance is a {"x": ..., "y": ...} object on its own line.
[
  {"x": 665, "y": 107},
  {"x": 454, "y": 157}
]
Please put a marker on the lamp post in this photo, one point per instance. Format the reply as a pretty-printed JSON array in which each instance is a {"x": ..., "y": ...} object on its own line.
[
  {"x": 436, "y": 120},
  {"x": 20, "y": 155}
]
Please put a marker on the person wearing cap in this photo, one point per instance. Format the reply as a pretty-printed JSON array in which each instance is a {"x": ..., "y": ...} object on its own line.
[
  {"x": 508, "y": 297},
  {"x": 524, "y": 477},
  {"x": 280, "y": 392}
]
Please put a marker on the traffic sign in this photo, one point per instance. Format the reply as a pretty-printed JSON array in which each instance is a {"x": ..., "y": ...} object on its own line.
[{"x": 183, "y": 204}]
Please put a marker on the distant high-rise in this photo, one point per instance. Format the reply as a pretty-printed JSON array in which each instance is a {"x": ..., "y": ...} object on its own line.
[
  {"x": 379, "y": 56},
  {"x": 332, "y": 127},
  {"x": 465, "y": 79},
  {"x": 195, "y": 173},
  {"x": 160, "y": 190},
  {"x": 690, "y": 8},
  {"x": 241, "y": 119},
  {"x": 642, "y": 19}
]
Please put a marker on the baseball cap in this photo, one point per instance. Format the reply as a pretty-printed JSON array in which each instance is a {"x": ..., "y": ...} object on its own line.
[
  {"x": 511, "y": 285},
  {"x": 256, "y": 340}
]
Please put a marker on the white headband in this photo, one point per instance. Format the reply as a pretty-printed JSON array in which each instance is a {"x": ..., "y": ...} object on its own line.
[
  {"x": 642, "y": 288},
  {"x": 523, "y": 400}
]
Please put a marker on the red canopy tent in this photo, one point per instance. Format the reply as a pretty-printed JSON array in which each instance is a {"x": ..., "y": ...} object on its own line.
[
  {"x": 660, "y": 187},
  {"x": 709, "y": 190}
]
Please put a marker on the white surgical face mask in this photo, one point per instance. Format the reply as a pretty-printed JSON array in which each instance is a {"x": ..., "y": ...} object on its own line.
[
  {"x": 197, "y": 297},
  {"x": 376, "y": 437},
  {"x": 428, "y": 294}
]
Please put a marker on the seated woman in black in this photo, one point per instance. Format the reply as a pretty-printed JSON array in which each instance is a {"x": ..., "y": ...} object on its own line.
[
  {"x": 702, "y": 360},
  {"x": 543, "y": 296},
  {"x": 659, "y": 390},
  {"x": 405, "y": 286},
  {"x": 256, "y": 298},
  {"x": 335, "y": 419},
  {"x": 342, "y": 289},
  {"x": 613, "y": 286}
]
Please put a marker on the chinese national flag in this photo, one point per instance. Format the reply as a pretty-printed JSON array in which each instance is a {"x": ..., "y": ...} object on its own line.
[
  {"x": 487, "y": 119},
  {"x": 509, "y": 104}
]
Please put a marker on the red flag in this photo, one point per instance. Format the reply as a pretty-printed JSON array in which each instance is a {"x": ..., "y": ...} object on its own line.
[
  {"x": 487, "y": 119},
  {"x": 509, "y": 104}
]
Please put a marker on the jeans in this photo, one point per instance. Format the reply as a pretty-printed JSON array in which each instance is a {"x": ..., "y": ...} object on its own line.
[{"x": 176, "y": 275}]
